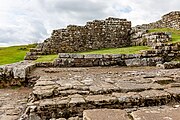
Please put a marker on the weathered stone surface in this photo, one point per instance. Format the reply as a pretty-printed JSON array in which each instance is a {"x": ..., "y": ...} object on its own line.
[
  {"x": 170, "y": 20},
  {"x": 170, "y": 65},
  {"x": 174, "y": 91},
  {"x": 15, "y": 74},
  {"x": 105, "y": 114},
  {"x": 157, "y": 113},
  {"x": 70, "y": 91},
  {"x": 100, "y": 99},
  {"x": 94, "y": 35}
]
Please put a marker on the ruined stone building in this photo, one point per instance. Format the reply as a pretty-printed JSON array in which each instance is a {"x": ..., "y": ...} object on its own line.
[{"x": 108, "y": 33}]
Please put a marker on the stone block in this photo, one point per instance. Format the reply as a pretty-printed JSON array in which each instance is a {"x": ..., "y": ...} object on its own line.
[
  {"x": 105, "y": 114},
  {"x": 157, "y": 113},
  {"x": 93, "y": 56}
]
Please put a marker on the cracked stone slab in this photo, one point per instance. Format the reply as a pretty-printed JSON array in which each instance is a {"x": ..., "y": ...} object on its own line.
[
  {"x": 105, "y": 114},
  {"x": 157, "y": 113}
]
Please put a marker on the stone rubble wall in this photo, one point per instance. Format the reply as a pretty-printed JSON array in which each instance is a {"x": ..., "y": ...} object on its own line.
[
  {"x": 160, "y": 53},
  {"x": 170, "y": 20},
  {"x": 15, "y": 74},
  {"x": 109, "y": 33},
  {"x": 169, "y": 65},
  {"x": 142, "y": 37},
  {"x": 90, "y": 60}
]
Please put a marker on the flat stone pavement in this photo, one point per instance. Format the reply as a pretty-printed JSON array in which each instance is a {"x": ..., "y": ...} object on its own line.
[
  {"x": 67, "y": 92},
  {"x": 105, "y": 114},
  {"x": 13, "y": 102},
  {"x": 157, "y": 113}
]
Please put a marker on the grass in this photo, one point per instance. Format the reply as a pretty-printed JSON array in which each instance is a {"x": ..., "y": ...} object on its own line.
[
  {"x": 125, "y": 50},
  {"x": 175, "y": 33},
  {"x": 46, "y": 58},
  {"x": 14, "y": 53}
]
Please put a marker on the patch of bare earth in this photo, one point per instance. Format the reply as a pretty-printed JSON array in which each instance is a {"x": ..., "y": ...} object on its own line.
[{"x": 13, "y": 102}]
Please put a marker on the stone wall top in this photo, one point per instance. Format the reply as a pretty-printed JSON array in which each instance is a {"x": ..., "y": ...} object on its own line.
[{"x": 170, "y": 20}]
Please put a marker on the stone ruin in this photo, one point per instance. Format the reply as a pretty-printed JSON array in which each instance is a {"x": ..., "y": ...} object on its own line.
[
  {"x": 170, "y": 20},
  {"x": 77, "y": 87},
  {"x": 108, "y": 33}
]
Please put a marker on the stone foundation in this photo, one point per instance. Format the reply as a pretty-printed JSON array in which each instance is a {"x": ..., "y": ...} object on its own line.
[
  {"x": 67, "y": 92},
  {"x": 90, "y": 60},
  {"x": 15, "y": 74}
]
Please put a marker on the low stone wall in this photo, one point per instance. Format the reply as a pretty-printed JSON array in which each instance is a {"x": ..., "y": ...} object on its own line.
[
  {"x": 15, "y": 74},
  {"x": 169, "y": 65},
  {"x": 142, "y": 37},
  {"x": 90, "y": 60}
]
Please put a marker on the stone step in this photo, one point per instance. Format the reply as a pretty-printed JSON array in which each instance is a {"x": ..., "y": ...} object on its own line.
[
  {"x": 47, "y": 87},
  {"x": 66, "y": 93},
  {"x": 157, "y": 113},
  {"x": 74, "y": 105},
  {"x": 105, "y": 114}
]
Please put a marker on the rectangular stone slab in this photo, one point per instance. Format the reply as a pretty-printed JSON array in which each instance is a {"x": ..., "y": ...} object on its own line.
[{"x": 105, "y": 114}]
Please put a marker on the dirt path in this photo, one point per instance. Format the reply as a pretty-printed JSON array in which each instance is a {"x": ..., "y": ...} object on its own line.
[{"x": 13, "y": 102}]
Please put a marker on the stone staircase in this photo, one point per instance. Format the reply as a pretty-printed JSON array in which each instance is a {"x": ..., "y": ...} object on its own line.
[{"x": 67, "y": 92}]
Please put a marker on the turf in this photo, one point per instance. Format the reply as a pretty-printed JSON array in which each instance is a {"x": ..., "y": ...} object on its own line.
[
  {"x": 175, "y": 33},
  {"x": 125, "y": 50},
  {"x": 46, "y": 58},
  {"x": 13, "y": 54}
]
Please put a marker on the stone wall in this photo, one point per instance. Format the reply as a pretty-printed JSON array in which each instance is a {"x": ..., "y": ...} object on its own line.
[
  {"x": 142, "y": 37},
  {"x": 170, "y": 20},
  {"x": 15, "y": 74},
  {"x": 109, "y": 33},
  {"x": 90, "y": 60},
  {"x": 160, "y": 53}
]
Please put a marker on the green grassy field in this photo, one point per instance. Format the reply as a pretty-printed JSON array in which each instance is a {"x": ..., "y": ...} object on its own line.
[
  {"x": 175, "y": 33},
  {"x": 13, "y": 54},
  {"x": 125, "y": 50}
]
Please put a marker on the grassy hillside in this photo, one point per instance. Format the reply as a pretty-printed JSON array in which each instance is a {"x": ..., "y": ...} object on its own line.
[
  {"x": 13, "y": 54},
  {"x": 175, "y": 33}
]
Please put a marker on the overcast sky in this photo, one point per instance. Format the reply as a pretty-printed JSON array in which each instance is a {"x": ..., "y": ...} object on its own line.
[{"x": 29, "y": 21}]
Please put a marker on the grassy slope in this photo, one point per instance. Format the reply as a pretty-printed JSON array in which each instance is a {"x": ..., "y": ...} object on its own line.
[
  {"x": 13, "y": 54},
  {"x": 175, "y": 33}
]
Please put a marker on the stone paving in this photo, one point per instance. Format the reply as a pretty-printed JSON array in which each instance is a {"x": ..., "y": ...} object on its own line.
[{"x": 67, "y": 92}]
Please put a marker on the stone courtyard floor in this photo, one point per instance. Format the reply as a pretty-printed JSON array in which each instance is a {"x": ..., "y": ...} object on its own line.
[{"x": 97, "y": 93}]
